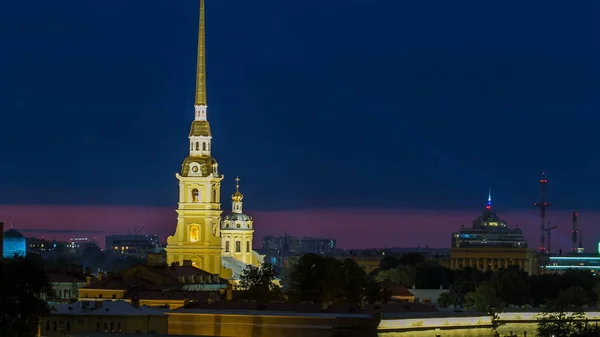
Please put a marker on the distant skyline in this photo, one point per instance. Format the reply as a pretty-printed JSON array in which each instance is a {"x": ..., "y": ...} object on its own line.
[
  {"x": 323, "y": 108},
  {"x": 375, "y": 228}
]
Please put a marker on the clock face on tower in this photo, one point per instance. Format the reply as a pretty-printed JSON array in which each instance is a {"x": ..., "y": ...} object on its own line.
[{"x": 195, "y": 169}]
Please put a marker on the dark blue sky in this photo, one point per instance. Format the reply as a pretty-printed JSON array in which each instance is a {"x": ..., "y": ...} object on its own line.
[{"x": 314, "y": 103}]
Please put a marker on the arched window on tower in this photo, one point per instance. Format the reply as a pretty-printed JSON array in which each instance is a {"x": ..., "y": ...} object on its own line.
[
  {"x": 214, "y": 195},
  {"x": 248, "y": 246},
  {"x": 203, "y": 146},
  {"x": 194, "y": 233},
  {"x": 197, "y": 146},
  {"x": 226, "y": 246},
  {"x": 195, "y": 195},
  {"x": 238, "y": 246}
]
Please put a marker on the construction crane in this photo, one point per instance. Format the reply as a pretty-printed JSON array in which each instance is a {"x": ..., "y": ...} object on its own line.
[{"x": 549, "y": 230}]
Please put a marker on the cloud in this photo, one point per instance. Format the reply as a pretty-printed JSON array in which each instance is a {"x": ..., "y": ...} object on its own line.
[{"x": 353, "y": 228}]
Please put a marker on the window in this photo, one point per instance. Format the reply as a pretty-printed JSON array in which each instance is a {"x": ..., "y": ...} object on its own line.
[
  {"x": 100, "y": 296},
  {"x": 197, "y": 146},
  {"x": 195, "y": 195},
  {"x": 248, "y": 246},
  {"x": 114, "y": 295},
  {"x": 54, "y": 325},
  {"x": 203, "y": 146},
  {"x": 214, "y": 195},
  {"x": 97, "y": 326},
  {"x": 112, "y": 327},
  {"x": 238, "y": 246},
  {"x": 47, "y": 325},
  {"x": 68, "y": 326},
  {"x": 227, "y": 246},
  {"x": 119, "y": 326},
  {"x": 194, "y": 233},
  {"x": 105, "y": 326}
]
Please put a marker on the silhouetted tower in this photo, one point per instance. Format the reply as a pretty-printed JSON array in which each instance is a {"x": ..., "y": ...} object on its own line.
[
  {"x": 574, "y": 233},
  {"x": 542, "y": 205}
]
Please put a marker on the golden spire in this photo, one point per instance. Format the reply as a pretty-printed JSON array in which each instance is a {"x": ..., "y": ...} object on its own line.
[
  {"x": 201, "y": 66},
  {"x": 237, "y": 196}
]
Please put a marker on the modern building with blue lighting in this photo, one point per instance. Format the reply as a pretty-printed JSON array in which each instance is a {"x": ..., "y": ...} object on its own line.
[
  {"x": 13, "y": 244},
  {"x": 560, "y": 264}
]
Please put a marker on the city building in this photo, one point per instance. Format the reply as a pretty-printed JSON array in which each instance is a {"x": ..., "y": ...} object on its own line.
[
  {"x": 236, "y": 237},
  {"x": 167, "y": 286},
  {"x": 37, "y": 245},
  {"x": 66, "y": 285},
  {"x": 490, "y": 244},
  {"x": 297, "y": 245},
  {"x": 198, "y": 235},
  {"x": 13, "y": 244},
  {"x": 134, "y": 245},
  {"x": 560, "y": 264},
  {"x": 78, "y": 245},
  {"x": 83, "y": 318}
]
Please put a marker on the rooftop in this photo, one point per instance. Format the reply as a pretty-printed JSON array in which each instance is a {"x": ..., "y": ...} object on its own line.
[{"x": 106, "y": 308}]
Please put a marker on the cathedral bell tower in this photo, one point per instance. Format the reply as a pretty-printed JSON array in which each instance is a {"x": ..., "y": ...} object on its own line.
[
  {"x": 237, "y": 230},
  {"x": 197, "y": 236}
]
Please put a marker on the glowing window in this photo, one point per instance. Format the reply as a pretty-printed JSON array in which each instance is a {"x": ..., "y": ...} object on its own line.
[{"x": 194, "y": 233}]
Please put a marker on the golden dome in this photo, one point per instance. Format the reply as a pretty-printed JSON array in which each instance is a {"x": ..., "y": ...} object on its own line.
[{"x": 237, "y": 196}]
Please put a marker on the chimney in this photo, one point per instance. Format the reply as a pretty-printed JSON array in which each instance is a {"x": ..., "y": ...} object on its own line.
[
  {"x": 100, "y": 276},
  {"x": 88, "y": 280},
  {"x": 187, "y": 263},
  {"x": 574, "y": 233}
]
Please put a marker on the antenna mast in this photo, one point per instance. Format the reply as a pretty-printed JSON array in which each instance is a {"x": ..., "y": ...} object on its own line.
[{"x": 543, "y": 205}]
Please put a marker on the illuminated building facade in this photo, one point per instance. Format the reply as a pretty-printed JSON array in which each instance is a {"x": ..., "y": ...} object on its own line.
[
  {"x": 560, "y": 264},
  {"x": 489, "y": 230},
  {"x": 138, "y": 246},
  {"x": 14, "y": 244},
  {"x": 198, "y": 237},
  {"x": 490, "y": 244}
]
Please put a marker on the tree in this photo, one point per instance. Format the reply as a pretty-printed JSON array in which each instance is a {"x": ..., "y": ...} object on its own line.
[
  {"x": 402, "y": 274},
  {"x": 465, "y": 281},
  {"x": 556, "y": 320},
  {"x": 315, "y": 278},
  {"x": 352, "y": 283},
  {"x": 258, "y": 282},
  {"x": 485, "y": 298},
  {"x": 447, "y": 299},
  {"x": 431, "y": 275},
  {"x": 411, "y": 259},
  {"x": 327, "y": 280},
  {"x": 389, "y": 261},
  {"x": 22, "y": 288},
  {"x": 512, "y": 285}
]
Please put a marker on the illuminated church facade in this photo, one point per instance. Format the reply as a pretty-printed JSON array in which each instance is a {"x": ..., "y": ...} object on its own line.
[{"x": 216, "y": 245}]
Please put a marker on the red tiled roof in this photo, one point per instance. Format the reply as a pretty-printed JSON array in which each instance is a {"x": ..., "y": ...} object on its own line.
[
  {"x": 396, "y": 289},
  {"x": 150, "y": 277}
]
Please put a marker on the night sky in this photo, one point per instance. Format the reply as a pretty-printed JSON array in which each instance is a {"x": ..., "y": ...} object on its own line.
[{"x": 387, "y": 119}]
